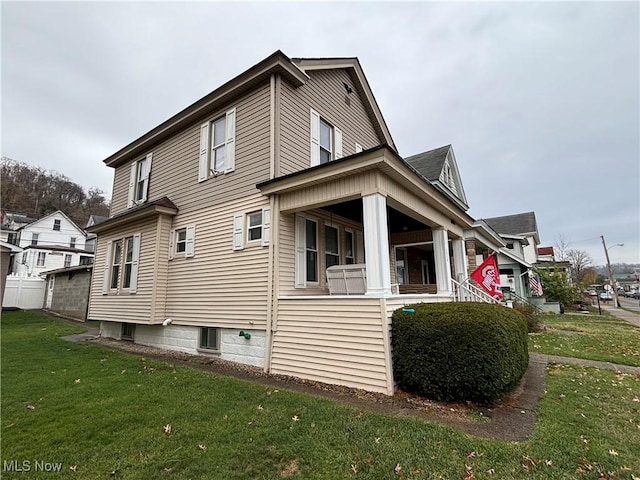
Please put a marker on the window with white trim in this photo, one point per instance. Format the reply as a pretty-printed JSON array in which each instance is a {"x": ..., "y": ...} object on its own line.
[
  {"x": 311, "y": 247},
  {"x": 72, "y": 242},
  {"x": 257, "y": 225},
  {"x": 254, "y": 227},
  {"x": 56, "y": 225},
  {"x": 209, "y": 338},
  {"x": 67, "y": 260},
  {"x": 401, "y": 267},
  {"x": 183, "y": 242},
  {"x": 326, "y": 140},
  {"x": 139, "y": 181},
  {"x": 34, "y": 238},
  {"x": 128, "y": 262},
  {"x": 42, "y": 256},
  {"x": 349, "y": 253},
  {"x": 331, "y": 248},
  {"x": 121, "y": 268},
  {"x": 217, "y": 146},
  {"x": 115, "y": 263}
]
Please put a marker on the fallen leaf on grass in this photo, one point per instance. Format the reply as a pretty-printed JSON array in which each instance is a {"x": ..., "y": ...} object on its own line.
[
  {"x": 613, "y": 452},
  {"x": 295, "y": 418},
  {"x": 491, "y": 471},
  {"x": 31, "y": 407},
  {"x": 167, "y": 429},
  {"x": 202, "y": 447},
  {"x": 260, "y": 408},
  {"x": 354, "y": 468},
  {"x": 77, "y": 380},
  {"x": 73, "y": 468}
]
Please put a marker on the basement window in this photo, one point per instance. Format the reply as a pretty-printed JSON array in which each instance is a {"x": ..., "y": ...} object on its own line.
[
  {"x": 128, "y": 331},
  {"x": 210, "y": 339}
]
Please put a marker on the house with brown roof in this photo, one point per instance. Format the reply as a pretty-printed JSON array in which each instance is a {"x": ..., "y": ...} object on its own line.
[{"x": 273, "y": 223}]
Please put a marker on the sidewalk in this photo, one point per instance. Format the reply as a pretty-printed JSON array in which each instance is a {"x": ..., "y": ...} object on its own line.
[{"x": 632, "y": 318}]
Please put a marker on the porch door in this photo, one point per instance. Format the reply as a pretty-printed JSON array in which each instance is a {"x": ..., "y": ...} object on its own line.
[{"x": 50, "y": 292}]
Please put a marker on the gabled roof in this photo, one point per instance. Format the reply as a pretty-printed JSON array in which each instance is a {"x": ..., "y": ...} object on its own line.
[
  {"x": 60, "y": 212},
  {"x": 431, "y": 165},
  {"x": 95, "y": 219},
  {"x": 290, "y": 70},
  {"x": 352, "y": 65},
  {"x": 518, "y": 224}
]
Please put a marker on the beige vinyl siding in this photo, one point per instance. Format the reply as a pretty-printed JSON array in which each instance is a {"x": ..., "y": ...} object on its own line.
[
  {"x": 161, "y": 280},
  {"x": 219, "y": 286},
  {"x": 174, "y": 172},
  {"x": 336, "y": 191},
  {"x": 332, "y": 340},
  {"x": 286, "y": 245},
  {"x": 124, "y": 306},
  {"x": 325, "y": 93}
]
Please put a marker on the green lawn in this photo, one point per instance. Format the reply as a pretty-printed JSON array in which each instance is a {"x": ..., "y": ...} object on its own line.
[
  {"x": 106, "y": 414},
  {"x": 594, "y": 337}
]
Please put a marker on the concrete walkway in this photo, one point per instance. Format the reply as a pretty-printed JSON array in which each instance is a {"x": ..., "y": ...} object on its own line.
[{"x": 631, "y": 317}]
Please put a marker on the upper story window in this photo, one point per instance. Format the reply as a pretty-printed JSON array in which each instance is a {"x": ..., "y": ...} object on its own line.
[
  {"x": 34, "y": 238},
  {"x": 139, "y": 181},
  {"x": 72, "y": 242},
  {"x": 56, "y": 225},
  {"x": 254, "y": 229},
  {"x": 41, "y": 258},
  {"x": 326, "y": 140},
  {"x": 217, "y": 146},
  {"x": 326, "y": 134}
]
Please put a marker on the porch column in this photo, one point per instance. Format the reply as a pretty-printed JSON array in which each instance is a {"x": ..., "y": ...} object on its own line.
[
  {"x": 441, "y": 256},
  {"x": 376, "y": 244},
  {"x": 459, "y": 259}
]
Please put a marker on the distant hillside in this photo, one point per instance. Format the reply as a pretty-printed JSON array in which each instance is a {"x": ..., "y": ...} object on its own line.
[{"x": 36, "y": 193}]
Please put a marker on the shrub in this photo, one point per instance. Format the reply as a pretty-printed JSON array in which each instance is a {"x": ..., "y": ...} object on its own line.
[
  {"x": 459, "y": 351},
  {"x": 532, "y": 315}
]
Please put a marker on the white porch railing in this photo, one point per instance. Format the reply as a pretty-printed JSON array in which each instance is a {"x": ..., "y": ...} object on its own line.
[{"x": 466, "y": 292}]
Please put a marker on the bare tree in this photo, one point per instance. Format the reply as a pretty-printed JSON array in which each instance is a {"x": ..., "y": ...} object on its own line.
[
  {"x": 580, "y": 261},
  {"x": 561, "y": 248}
]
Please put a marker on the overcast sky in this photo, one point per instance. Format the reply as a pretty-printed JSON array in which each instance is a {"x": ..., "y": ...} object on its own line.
[{"x": 539, "y": 100}]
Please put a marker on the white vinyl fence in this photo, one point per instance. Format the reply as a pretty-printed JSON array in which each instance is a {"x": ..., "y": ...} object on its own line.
[{"x": 24, "y": 292}]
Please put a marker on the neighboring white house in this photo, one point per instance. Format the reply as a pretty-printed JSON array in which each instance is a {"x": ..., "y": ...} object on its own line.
[{"x": 49, "y": 243}]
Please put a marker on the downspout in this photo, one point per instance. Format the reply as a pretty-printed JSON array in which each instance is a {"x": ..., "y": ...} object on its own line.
[{"x": 275, "y": 214}]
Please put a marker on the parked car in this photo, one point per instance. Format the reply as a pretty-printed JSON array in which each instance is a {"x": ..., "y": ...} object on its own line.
[{"x": 606, "y": 296}]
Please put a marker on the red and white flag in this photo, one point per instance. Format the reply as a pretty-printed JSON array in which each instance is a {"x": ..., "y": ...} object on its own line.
[{"x": 488, "y": 276}]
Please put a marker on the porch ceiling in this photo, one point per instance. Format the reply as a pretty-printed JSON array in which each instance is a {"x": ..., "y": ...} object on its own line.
[{"x": 398, "y": 221}]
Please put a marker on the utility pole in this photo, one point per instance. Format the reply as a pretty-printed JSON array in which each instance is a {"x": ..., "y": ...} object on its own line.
[{"x": 613, "y": 284}]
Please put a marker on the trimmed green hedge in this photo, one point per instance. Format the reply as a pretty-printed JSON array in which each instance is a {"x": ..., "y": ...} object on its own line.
[{"x": 459, "y": 351}]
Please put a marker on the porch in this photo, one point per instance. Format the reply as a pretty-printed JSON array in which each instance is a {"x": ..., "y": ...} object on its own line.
[{"x": 373, "y": 216}]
